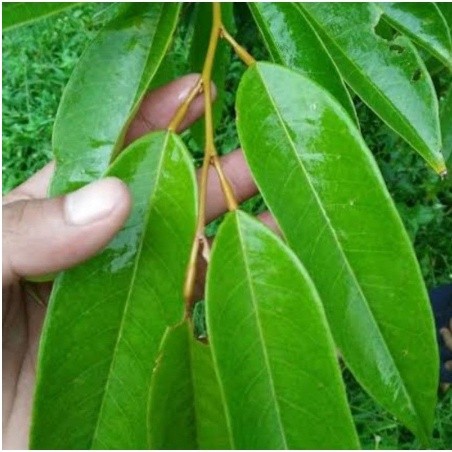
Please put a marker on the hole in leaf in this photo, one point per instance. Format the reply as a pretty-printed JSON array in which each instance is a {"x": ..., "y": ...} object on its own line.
[
  {"x": 199, "y": 321},
  {"x": 396, "y": 48},
  {"x": 416, "y": 75},
  {"x": 384, "y": 30}
]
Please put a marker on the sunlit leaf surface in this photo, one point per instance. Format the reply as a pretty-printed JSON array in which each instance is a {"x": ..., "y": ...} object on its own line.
[
  {"x": 105, "y": 90},
  {"x": 275, "y": 358},
  {"x": 388, "y": 75},
  {"x": 322, "y": 185},
  {"x": 107, "y": 317}
]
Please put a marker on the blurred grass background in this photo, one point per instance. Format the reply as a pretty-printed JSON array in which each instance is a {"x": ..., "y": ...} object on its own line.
[{"x": 37, "y": 62}]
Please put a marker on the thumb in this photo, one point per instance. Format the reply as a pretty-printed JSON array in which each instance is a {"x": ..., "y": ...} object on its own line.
[{"x": 47, "y": 235}]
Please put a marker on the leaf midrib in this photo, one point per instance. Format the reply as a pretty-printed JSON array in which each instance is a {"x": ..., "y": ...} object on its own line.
[
  {"x": 131, "y": 286},
  {"x": 328, "y": 221},
  {"x": 18, "y": 6},
  {"x": 196, "y": 409},
  {"x": 261, "y": 334}
]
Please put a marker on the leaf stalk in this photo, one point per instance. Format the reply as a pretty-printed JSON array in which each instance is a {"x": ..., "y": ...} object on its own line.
[
  {"x": 241, "y": 52},
  {"x": 210, "y": 154},
  {"x": 183, "y": 108}
]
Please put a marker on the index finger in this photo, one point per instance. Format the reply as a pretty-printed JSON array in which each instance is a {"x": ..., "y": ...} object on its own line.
[{"x": 155, "y": 112}]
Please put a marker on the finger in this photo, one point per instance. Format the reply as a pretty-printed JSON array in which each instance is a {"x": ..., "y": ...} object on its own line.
[
  {"x": 35, "y": 187},
  {"x": 156, "y": 111},
  {"x": 48, "y": 235},
  {"x": 446, "y": 334},
  {"x": 267, "y": 218},
  {"x": 159, "y": 107},
  {"x": 237, "y": 172}
]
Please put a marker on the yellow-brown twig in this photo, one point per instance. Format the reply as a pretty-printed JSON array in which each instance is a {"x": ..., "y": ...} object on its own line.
[
  {"x": 210, "y": 158},
  {"x": 228, "y": 193},
  {"x": 238, "y": 49},
  {"x": 190, "y": 276},
  {"x": 183, "y": 108},
  {"x": 210, "y": 151}
]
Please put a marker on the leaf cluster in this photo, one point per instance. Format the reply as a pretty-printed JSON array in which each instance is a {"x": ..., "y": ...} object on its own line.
[{"x": 128, "y": 371}]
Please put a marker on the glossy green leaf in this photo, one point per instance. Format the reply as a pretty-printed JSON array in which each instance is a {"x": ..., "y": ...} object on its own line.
[
  {"x": 186, "y": 410},
  {"x": 271, "y": 345},
  {"x": 322, "y": 185},
  {"x": 105, "y": 90},
  {"x": 107, "y": 317},
  {"x": 166, "y": 73},
  {"x": 446, "y": 10},
  {"x": 292, "y": 42},
  {"x": 424, "y": 24},
  {"x": 389, "y": 76},
  {"x": 446, "y": 126},
  {"x": 198, "y": 50},
  {"x": 23, "y": 13}
]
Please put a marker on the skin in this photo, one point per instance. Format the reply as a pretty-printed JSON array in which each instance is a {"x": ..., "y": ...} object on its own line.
[
  {"x": 446, "y": 334},
  {"x": 38, "y": 240}
]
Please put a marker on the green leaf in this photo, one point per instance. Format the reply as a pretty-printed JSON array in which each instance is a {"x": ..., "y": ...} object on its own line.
[
  {"x": 166, "y": 72},
  {"x": 271, "y": 345},
  {"x": 446, "y": 10},
  {"x": 23, "y": 13},
  {"x": 107, "y": 317},
  {"x": 106, "y": 89},
  {"x": 186, "y": 410},
  {"x": 389, "y": 76},
  {"x": 446, "y": 126},
  {"x": 292, "y": 42},
  {"x": 198, "y": 50},
  {"x": 424, "y": 24},
  {"x": 322, "y": 185}
]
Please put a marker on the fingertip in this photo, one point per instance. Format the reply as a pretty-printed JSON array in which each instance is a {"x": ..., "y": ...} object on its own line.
[
  {"x": 187, "y": 82},
  {"x": 95, "y": 202},
  {"x": 123, "y": 199},
  {"x": 197, "y": 107},
  {"x": 118, "y": 190},
  {"x": 267, "y": 218}
]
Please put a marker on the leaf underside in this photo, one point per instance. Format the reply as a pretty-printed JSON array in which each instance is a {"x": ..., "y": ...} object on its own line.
[
  {"x": 274, "y": 356},
  {"x": 325, "y": 191},
  {"x": 105, "y": 90},
  {"x": 107, "y": 317},
  {"x": 388, "y": 75}
]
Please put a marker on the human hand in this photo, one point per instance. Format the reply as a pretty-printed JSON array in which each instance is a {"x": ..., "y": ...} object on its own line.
[
  {"x": 446, "y": 334},
  {"x": 42, "y": 235}
]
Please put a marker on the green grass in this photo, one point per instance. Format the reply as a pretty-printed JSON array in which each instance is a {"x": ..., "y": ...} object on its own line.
[{"x": 37, "y": 62}]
